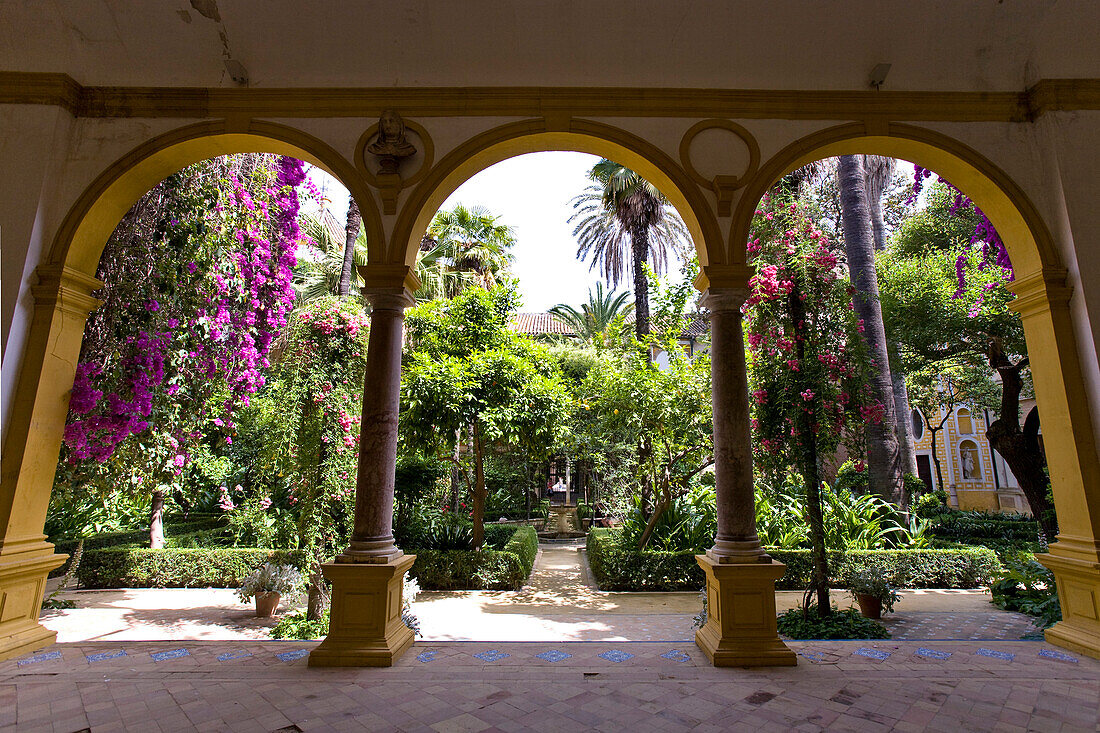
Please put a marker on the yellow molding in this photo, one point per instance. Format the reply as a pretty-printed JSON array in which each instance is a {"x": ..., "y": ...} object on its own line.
[{"x": 791, "y": 104}]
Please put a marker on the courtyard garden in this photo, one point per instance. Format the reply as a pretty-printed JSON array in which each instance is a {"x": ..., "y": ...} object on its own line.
[{"x": 214, "y": 423}]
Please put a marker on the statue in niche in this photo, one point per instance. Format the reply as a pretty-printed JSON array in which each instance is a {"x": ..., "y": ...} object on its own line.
[
  {"x": 968, "y": 464},
  {"x": 391, "y": 146}
]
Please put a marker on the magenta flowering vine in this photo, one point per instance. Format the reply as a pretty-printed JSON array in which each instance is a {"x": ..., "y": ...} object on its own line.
[
  {"x": 993, "y": 251},
  {"x": 197, "y": 288}
]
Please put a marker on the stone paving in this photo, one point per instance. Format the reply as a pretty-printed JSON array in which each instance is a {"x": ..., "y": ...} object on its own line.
[{"x": 453, "y": 686}]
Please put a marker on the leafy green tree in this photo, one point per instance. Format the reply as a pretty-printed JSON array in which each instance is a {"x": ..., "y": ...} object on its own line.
[
  {"x": 592, "y": 320},
  {"x": 939, "y": 323},
  {"x": 809, "y": 365},
  {"x": 667, "y": 412},
  {"x": 465, "y": 368},
  {"x": 622, "y": 218}
]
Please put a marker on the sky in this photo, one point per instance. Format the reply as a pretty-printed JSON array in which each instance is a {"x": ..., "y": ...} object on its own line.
[{"x": 530, "y": 193}]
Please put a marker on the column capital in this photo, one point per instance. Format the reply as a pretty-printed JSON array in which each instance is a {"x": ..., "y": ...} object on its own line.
[
  {"x": 64, "y": 287},
  {"x": 1040, "y": 291},
  {"x": 392, "y": 299},
  {"x": 389, "y": 278},
  {"x": 724, "y": 300},
  {"x": 714, "y": 277}
]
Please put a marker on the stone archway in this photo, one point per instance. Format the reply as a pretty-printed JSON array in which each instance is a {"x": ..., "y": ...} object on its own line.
[
  {"x": 62, "y": 301},
  {"x": 1043, "y": 303}
]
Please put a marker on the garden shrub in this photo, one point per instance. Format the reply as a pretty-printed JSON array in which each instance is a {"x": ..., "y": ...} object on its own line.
[
  {"x": 489, "y": 568},
  {"x": 178, "y": 568},
  {"x": 139, "y": 537},
  {"x": 1028, "y": 587},
  {"x": 976, "y": 527},
  {"x": 618, "y": 566},
  {"x": 846, "y": 624}
]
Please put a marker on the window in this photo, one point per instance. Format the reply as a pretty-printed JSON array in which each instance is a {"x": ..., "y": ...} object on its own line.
[
  {"x": 918, "y": 425},
  {"x": 966, "y": 425}
]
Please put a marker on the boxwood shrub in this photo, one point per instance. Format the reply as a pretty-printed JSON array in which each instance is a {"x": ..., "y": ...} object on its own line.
[
  {"x": 503, "y": 564},
  {"x": 123, "y": 567},
  {"x": 173, "y": 526},
  {"x": 618, "y": 568}
]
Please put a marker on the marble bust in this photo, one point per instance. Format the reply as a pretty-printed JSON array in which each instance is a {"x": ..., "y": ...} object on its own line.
[{"x": 391, "y": 145}]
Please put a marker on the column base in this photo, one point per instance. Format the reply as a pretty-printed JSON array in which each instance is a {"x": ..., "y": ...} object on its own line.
[
  {"x": 741, "y": 625},
  {"x": 22, "y": 586},
  {"x": 365, "y": 627},
  {"x": 1079, "y": 595}
]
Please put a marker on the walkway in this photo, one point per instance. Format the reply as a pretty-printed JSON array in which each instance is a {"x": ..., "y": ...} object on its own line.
[
  {"x": 559, "y": 603},
  {"x": 452, "y": 687}
]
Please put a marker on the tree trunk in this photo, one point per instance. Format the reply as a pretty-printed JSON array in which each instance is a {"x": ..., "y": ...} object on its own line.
[
  {"x": 639, "y": 240},
  {"x": 351, "y": 233},
  {"x": 156, "y": 521},
  {"x": 658, "y": 510},
  {"x": 906, "y": 442},
  {"x": 819, "y": 574},
  {"x": 479, "y": 490},
  {"x": 456, "y": 471},
  {"x": 883, "y": 458},
  {"x": 936, "y": 459},
  {"x": 1020, "y": 448},
  {"x": 315, "y": 598}
]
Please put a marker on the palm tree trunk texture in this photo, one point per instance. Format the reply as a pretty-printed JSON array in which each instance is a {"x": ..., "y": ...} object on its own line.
[
  {"x": 906, "y": 442},
  {"x": 351, "y": 233},
  {"x": 639, "y": 240},
  {"x": 883, "y": 456}
]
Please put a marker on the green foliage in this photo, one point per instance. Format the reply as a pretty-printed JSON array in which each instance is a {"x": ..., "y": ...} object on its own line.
[
  {"x": 914, "y": 487},
  {"x": 1028, "y": 587},
  {"x": 974, "y": 527},
  {"x": 847, "y": 624},
  {"x": 486, "y": 569},
  {"x": 184, "y": 568},
  {"x": 295, "y": 625},
  {"x": 174, "y": 526},
  {"x": 872, "y": 582},
  {"x": 851, "y": 522},
  {"x": 689, "y": 523},
  {"x": 851, "y": 479},
  {"x": 618, "y": 566},
  {"x": 929, "y": 505}
]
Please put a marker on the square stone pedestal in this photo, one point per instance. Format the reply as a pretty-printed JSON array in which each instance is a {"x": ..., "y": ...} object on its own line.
[
  {"x": 741, "y": 629},
  {"x": 22, "y": 586},
  {"x": 365, "y": 628},
  {"x": 1079, "y": 595}
]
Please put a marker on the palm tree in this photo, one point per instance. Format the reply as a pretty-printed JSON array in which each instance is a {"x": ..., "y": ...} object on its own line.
[
  {"x": 470, "y": 240},
  {"x": 878, "y": 171},
  {"x": 593, "y": 318},
  {"x": 315, "y": 277},
  {"x": 883, "y": 457},
  {"x": 623, "y": 213},
  {"x": 351, "y": 236}
]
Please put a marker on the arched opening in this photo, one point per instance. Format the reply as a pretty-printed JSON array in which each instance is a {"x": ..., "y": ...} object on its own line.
[
  {"x": 1041, "y": 300},
  {"x": 63, "y": 300}
]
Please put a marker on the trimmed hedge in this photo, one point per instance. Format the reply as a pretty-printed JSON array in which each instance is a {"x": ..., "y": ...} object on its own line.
[
  {"x": 506, "y": 568},
  {"x": 621, "y": 568},
  {"x": 173, "y": 526},
  {"x": 974, "y": 530},
  {"x": 123, "y": 567}
]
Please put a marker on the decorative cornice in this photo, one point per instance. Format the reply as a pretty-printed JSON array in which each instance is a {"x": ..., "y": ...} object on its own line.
[
  {"x": 1040, "y": 291},
  {"x": 200, "y": 103}
]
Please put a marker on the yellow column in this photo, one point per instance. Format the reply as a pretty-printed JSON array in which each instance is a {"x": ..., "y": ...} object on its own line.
[
  {"x": 741, "y": 626},
  {"x": 62, "y": 301},
  {"x": 365, "y": 628},
  {"x": 1043, "y": 303}
]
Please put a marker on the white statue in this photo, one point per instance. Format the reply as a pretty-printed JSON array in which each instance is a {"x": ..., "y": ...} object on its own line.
[{"x": 968, "y": 463}]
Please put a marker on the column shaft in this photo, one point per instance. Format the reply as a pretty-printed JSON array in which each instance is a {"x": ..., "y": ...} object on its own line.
[
  {"x": 737, "y": 540},
  {"x": 372, "y": 536}
]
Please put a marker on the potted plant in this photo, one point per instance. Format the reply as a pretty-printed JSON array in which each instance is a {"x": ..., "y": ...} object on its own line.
[
  {"x": 268, "y": 584},
  {"x": 873, "y": 594}
]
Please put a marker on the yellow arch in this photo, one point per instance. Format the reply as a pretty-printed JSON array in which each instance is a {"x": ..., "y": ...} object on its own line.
[
  {"x": 1022, "y": 229},
  {"x": 83, "y": 234},
  {"x": 533, "y": 136}
]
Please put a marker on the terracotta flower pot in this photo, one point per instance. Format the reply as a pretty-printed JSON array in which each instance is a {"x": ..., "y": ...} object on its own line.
[
  {"x": 266, "y": 603},
  {"x": 869, "y": 606}
]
